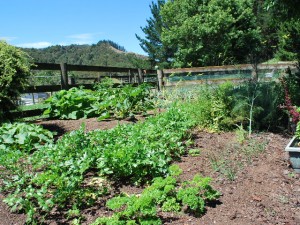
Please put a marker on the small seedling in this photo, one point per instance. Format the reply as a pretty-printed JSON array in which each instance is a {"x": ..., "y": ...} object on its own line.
[{"x": 194, "y": 152}]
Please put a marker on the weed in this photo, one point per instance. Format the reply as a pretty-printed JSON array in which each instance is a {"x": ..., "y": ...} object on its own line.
[
  {"x": 241, "y": 134},
  {"x": 194, "y": 152}
]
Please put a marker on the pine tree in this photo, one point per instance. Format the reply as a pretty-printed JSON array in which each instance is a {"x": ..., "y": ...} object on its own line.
[{"x": 158, "y": 53}]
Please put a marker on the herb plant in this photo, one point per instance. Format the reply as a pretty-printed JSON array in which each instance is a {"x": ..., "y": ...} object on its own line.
[{"x": 165, "y": 194}]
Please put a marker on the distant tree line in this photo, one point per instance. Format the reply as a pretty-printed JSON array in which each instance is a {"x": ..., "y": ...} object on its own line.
[
  {"x": 186, "y": 33},
  {"x": 104, "y": 53}
]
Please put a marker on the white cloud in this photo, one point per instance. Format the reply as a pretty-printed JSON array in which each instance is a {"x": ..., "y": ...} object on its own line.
[
  {"x": 7, "y": 38},
  {"x": 85, "y": 38},
  {"x": 41, "y": 44}
]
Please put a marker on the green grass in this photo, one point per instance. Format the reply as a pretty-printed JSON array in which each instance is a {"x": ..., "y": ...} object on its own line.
[{"x": 32, "y": 107}]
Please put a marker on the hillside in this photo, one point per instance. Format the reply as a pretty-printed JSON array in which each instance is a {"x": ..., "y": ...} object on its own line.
[{"x": 104, "y": 53}]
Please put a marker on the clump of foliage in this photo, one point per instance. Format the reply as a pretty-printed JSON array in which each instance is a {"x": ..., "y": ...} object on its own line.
[
  {"x": 23, "y": 136},
  {"x": 121, "y": 102},
  {"x": 212, "y": 107},
  {"x": 14, "y": 71},
  {"x": 210, "y": 32},
  {"x": 164, "y": 194},
  {"x": 74, "y": 103},
  {"x": 258, "y": 104},
  {"x": 105, "y": 102},
  {"x": 252, "y": 104},
  {"x": 58, "y": 175}
]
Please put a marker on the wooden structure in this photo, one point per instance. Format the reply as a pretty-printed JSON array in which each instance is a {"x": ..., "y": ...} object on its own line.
[{"x": 137, "y": 76}]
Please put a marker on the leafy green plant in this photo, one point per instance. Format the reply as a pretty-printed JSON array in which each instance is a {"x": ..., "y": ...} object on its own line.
[
  {"x": 256, "y": 104},
  {"x": 58, "y": 175},
  {"x": 211, "y": 109},
  {"x": 23, "y": 136},
  {"x": 72, "y": 104},
  {"x": 105, "y": 102},
  {"x": 165, "y": 194},
  {"x": 194, "y": 193},
  {"x": 194, "y": 152},
  {"x": 241, "y": 134},
  {"x": 14, "y": 71},
  {"x": 123, "y": 101}
]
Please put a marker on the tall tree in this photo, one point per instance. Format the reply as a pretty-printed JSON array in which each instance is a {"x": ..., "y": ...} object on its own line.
[
  {"x": 286, "y": 15},
  {"x": 159, "y": 54},
  {"x": 211, "y": 32}
]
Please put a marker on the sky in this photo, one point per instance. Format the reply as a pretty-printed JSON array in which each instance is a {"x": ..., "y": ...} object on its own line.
[{"x": 42, "y": 23}]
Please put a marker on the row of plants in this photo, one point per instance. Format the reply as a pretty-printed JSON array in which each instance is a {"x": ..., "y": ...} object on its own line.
[
  {"x": 77, "y": 170},
  {"x": 166, "y": 194},
  {"x": 105, "y": 101},
  {"x": 254, "y": 105}
]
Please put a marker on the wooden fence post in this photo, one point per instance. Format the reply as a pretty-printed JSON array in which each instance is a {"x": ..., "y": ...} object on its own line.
[
  {"x": 64, "y": 76},
  {"x": 160, "y": 79},
  {"x": 140, "y": 76},
  {"x": 129, "y": 77}
]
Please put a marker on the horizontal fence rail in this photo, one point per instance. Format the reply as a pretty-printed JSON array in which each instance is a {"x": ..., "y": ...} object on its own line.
[
  {"x": 160, "y": 78},
  {"x": 241, "y": 67},
  {"x": 134, "y": 75}
]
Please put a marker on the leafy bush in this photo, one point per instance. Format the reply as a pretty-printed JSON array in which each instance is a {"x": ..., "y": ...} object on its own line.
[
  {"x": 104, "y": 102},
  {"x": 72, "y": 104},
  {"x": 122, "y": 101},
  {"x": 166, "y": 194},
  {"x": 212, "y": 108},
  {"x": 14, "y": 70},
  {"x": 258, "y": 104}
]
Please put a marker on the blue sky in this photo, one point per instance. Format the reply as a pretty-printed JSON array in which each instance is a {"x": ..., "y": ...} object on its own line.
[{"x": 41, "y": 23}]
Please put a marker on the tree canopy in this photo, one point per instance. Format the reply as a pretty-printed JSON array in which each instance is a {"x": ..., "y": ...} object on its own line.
[
  {"x": 213, "y": 32},
  {"x": 210, "y": 32}
]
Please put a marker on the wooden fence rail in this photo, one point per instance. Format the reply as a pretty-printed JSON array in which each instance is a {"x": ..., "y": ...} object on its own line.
[{"x": 135, "y": 75}]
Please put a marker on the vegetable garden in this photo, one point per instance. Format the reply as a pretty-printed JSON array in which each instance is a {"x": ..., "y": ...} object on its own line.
[{"x": 166, "y": 161}]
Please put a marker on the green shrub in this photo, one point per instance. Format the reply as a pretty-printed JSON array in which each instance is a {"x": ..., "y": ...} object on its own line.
[
  {"x": 14, "y": 71},
  {"x": 259, "y": 102},
  {"x": 225, "y": 106},
  {"x": 123, "y": 101},
  {"x": 212, "y": 107}
]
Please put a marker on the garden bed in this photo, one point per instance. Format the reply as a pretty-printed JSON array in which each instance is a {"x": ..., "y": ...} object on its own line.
[{"x": 258, "y": 187}]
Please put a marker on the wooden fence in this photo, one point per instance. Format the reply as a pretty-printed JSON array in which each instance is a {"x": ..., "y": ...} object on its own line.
[{"x": 136, "y": 76}]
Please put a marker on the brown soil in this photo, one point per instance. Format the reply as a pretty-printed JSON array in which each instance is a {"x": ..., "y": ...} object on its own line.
[{"x": 256, "y": 188}]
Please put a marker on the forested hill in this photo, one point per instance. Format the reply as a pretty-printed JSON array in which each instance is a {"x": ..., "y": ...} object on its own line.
[{"x": 104, "y": 53}]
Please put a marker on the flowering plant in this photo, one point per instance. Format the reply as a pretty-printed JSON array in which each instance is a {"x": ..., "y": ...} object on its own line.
[{"x": 293, "y": 111}]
